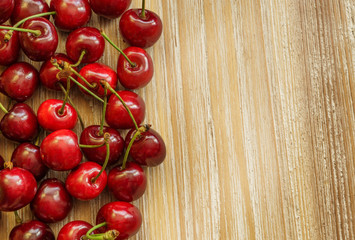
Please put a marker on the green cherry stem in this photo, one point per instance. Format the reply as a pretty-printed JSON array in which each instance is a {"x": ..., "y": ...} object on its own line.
[
  {"x": 37, "y": 33},
  {"x": 66, "y": 98},
  {"x": 82, "y": 78},
  {"x": 17, "y": 218},
  {"x": 3, "y": 108},
  {"x": 101, "y": 132},
  {"x": 143, "y": 9},
  {"x": 80, "y": 59},
  {"x": 107, "y": 143},
  {"x": 109, "y": 235},
  {"x": 91, "y": 146}
]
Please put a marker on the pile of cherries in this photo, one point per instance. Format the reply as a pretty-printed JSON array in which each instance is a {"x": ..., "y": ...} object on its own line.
[{"x": 62, "y": 149}]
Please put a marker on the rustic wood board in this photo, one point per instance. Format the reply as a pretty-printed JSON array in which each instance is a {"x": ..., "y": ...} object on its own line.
[{"x": 255, "y": 100}]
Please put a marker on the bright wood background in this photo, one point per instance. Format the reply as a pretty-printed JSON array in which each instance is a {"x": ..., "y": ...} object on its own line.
[{"x": 255, "y": 100}]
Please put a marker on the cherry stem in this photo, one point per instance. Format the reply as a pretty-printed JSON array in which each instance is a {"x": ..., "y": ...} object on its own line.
[
  {"x": 104, "y": 83},
  {"x": 118, "y": 49},
  {"x": 101, "y": 132},
  {"x": 37, "y": 138},
  {"x": 143, "y": 9},
  {"x": 107, "y": 138},
  {"x": 66, "y": 98},
  {"x": 91, "y": 146},
  {"x": 3, "y": 108},
  {"x": 109, "y": 235},
  {"x": 37, "y": 33},
  {"x": 80, "y": 59},
  {"x": 17, "y": 218},
  {"x": 82, "y": 78}
]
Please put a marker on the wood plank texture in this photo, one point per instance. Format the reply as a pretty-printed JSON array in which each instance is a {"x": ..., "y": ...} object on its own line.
[{"x": 255, "y": 100}]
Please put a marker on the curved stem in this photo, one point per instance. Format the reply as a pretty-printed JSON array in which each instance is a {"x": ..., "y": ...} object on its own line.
[
  {"x": 107, "y": 137},
  {"x": 101, "y": 132},
  {"x": 91, "y": 146},
  {"x": 109, "y": 235},
  {"x": 35, "y": 32},
  {"x": 3, "y": 108},
  {"x": 66, "y": 98},
  {"x": 17, "y": 218},
  {"x": 143, "y": 9},
  {"x": 82, "y": 78},
  {"x": 118, "y": 49},
  {"x": 80, "y": 59}
]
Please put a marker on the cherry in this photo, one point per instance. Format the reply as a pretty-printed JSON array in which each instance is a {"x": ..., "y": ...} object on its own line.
[
  {"x": 26, "y": 8},
  {"x": 19, "y": 81},
  {"x": 148, "y": 149},
  {"x": 87, "y": 40},
  {"x": 81, "y": 182},
  {"x": 1, "y": 163},
  {"x": 60, "y": 150},
  {"x": 10, "y": 50},
  {"x": 51, "y": 116},
  {"x": 116, "y": 114},
  {"x": 121, "y": 216},
  {"x": 32, "y": 230},
  {"x": 17, "y": 188},
  {"x": 52, "y": 202},
  {"x": 19, "y": 124},
  {"x": 110, "y": 8},
  {"x": 74, "y": 230},
  {"x": 70, "y": 14},
  {"x": 128, "y": 184},
  {"x": 6, "y": 8},
  {"x": 27, "y": 156}
]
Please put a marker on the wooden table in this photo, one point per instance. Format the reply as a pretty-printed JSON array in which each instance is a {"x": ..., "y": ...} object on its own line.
[{"x": 255, "y": 100}]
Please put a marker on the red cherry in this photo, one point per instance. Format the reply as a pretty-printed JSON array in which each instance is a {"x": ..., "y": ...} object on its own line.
[
  {"x": 138, "y": 76},
  {"x": 110, "y": 8},
  {"x": 52, "y": 202},
  {"x": 32, "y": 230},
  {"x": 48, "y": 73},
  {"x": 19, "y": 81},
  {"x": 147, "y": 150},
  {"x": 91, "y": 136},
  {"x": 26, "y": 8},
  {"x": 138, "y": 31},
  {"x": 20, "y": 124},
  {"x": 74, "y": 230},
  {"x": 6, "y": 8},
  {"x": 42, "y": 47},
  {"x": 70, "y": 14},
  {"x": 120, "y": 216},
  {"x": 129, "y": 184},
  {"x": 27, "y": 156},
  {"x": 17, "y": 189},
  {"x": 50, "y": 118},
  {"x": 9, "y": 51},
  {"x": 117, "y": 116},
  {"x": 88, "y": 39},
  {"x": 60, "y": 150},
  {"x": 80, "y": 183},
  {"x": 1, "y": 163}
]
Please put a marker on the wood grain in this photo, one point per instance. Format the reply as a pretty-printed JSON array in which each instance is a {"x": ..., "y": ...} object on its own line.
[{"x": 255, "y": 100}]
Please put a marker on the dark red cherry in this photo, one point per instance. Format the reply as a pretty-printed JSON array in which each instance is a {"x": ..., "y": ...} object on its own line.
[
  {"x": 19, "y": 81},
  {"x": 121, "y": 216},
  {"x": 9, "y": 51},
  {"x": 91, "y": 136},
  {"x": 74, "y": 230},
  {"x": 118, "y": 117},
  {"x": 17, "y": 189},
  {"x": 129, "y": 184},
  {"x": 26, "y": 8},
  {"x": 70, "y": 14},
  {"x": 96, "y": 72},
  {"x": 52, "y": 202},
  {"x": 138, "y": 31},
  {"x": 6, "y": 8},
  {"x": 27, "y": 156},
  {"x": 88, "y": 39},
  {"x": 20, "y": 124},
  {"x": 51, "y": 119},
  {"x": 147, "y": 150},
  {"x": 134, "y": 77},
  {"x": 48, "y": 73},
  {"x": 80, "y": 183},
  {"x": 42, "y": 47},
  {"x": 110, "y": 8},
  {"x": 32, "y": 230},
  {"x": 1, "y": 163},
  {"x": 60, "y": 150}
]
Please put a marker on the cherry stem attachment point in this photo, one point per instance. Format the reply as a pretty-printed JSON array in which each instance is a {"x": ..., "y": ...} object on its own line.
[
  {"x": 80, "y": 59},
  {"x": 143, "y": 9},
  {"x": 3, "y": 109},
  {"x": 107, "y": 143},
  {"x": 101, "y": 132},
  {"x": 8, "y": 165},
  {"x": 109, "y": 235},
  {"x": 66, "y": 98},
  {"x": 17, "y": 218}
]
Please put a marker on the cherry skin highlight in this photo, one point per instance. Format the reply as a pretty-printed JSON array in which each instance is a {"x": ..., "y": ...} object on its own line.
[
  {"x": 34, "y": 229},
  {"x": 9, "y": 51},
  {"x": 26, "y": 8},
  {"x": 110, "y": 8},
  {"x": 6, "y": 8},
  {"x": 74, "y": 230}
]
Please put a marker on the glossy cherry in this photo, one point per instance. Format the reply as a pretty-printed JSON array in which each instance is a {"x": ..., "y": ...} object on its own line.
[
  {"x": 117, "y": 116},
  {"x": 19, "y": 124},
  {"x": 48, "y": 73},
  {"x": 32, "y": 230},
  {"x": 141, "y": 31},
  {"x": 88, "y": 39},
  {"x": 19, "y": 81},
  {"x": 128, "y": 184},
  {"x": 9, "y": 51},
  {"x": 51, "y": 118},
  {"x": 60, "y": 150},
  {"x": 27, "y": 156},
  {"x": 26, "y": 8},
  {"x": 74, "y": 230},
  {"x": 147, "y": 150},
  {"x": 52, "y": 202},
  {"x": 121, "y": 216},
  {"x": 17, "y": 188},
  {"x": 80, "y": 183},
  {"x": 91, "y": 136},
  {"x": 70, "y": 14},
  {"x": 6, "y": 8},
  {"x": 1, "y": 163},
  {"x": 110, "y": 8}
]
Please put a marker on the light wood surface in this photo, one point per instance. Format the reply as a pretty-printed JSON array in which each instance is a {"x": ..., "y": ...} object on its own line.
[{"x": 255, "y": 100}]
